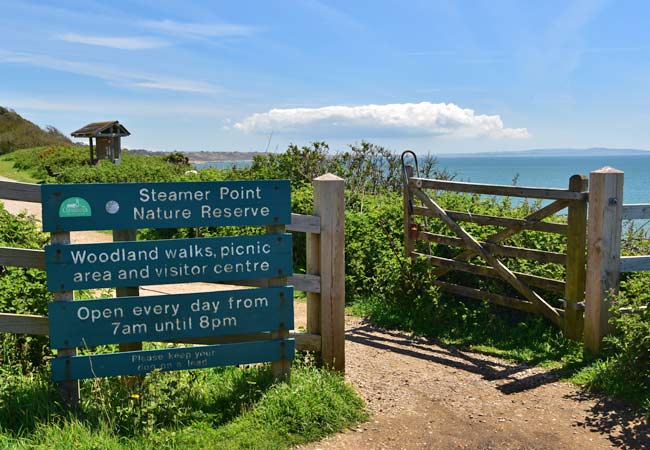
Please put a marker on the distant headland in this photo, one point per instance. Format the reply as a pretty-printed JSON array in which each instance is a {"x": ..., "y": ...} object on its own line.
[{"x": 203, "y": 156}]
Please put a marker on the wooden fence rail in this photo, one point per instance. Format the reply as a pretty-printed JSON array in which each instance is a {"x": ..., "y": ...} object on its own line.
[{"x": 324, "y": 281}]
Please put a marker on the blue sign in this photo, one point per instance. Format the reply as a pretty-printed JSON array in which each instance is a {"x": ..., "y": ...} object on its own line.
[
  {"x": 83, "y": 266},
  {"x": 184, "y": 358},
  {"x": 119, "y": 206},
  {"x": 87, "y": 323}
]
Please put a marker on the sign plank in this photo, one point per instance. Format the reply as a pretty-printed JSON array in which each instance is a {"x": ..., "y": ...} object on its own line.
[
  {"x": 82, "y": 266},
  {"x": 182, "y": 358},
  {"x": 164, "y": 317},
  {"x": 119, "y": 206}
]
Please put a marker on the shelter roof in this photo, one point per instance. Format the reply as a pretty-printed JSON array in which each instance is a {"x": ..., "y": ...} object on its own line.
[{"x": 111, "y": 128}]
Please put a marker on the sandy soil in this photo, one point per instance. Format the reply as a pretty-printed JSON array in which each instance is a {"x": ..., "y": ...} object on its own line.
[{"x": 426, "y": 396}]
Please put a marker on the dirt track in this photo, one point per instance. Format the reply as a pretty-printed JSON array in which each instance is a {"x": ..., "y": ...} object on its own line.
[{"x": 425, "y": 396}]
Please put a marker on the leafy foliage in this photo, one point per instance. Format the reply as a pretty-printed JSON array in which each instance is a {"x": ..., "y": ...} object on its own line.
[
  {"x": 73, "y": 166},
  {"x": 22, "y": 291},
  {"x": 16, "y": 133}
]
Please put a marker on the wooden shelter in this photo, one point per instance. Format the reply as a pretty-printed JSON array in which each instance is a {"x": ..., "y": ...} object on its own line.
[{"x": 108, "y": 140}]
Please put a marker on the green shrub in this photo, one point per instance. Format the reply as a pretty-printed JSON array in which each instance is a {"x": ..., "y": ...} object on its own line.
[
  {"x": 625, "y": 369},
  {"x": 22, "y": 291},
  {"x": 73, "y": 166}
]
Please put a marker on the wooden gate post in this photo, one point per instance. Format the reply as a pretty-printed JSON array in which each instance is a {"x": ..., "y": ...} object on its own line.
[
  {"x": 603, "y": 251},
  {"x": 409, "y": 242},
  {"x": 68, "y": 390},
  {"x": 329, "y": 205},
  {"x": 576, "y": 255},
  {"x": 131, "y": 291}
]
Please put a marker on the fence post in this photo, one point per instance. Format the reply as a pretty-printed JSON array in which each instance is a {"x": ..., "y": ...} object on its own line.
[
  {"x": 603, "y": 251},
  {"x": 68, "y": 390},
  {"x": 131, "y": 291},
  {"x": 576, "y": 260},
  {"x": 408, "y": 218},
  {"x": 281, "y": 369},
  {"x": 329, "y": 205}
]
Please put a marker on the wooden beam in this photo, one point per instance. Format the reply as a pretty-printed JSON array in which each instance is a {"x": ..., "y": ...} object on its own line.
[
  {"x": 304, "y": 223},
  {"x": 501, "y": 250},
  {"x": 603, "y": 252},
  {"x": 22, "y": 257},
  {"x": 636, "y": 211},
  {"x": 68, "y": 390},
  {"x": 329, "y": 205},
  {"x": 634, "y": 264},
  {"x": 502, "y": 235},
  {"x": 506, "y": 274},
  {"x": 549, "y": 284},
  {"x": 131, "y": 291},
  {"x": 313, "y": 269},
  {"x": 547, "y": 227},
  {"x": 24, "y": 324},
  {"x": 281, "y": 369},
  {"x": 502, "y": 300},
  {"x": 576, "y": 269},
  {"x": 497, "y": 189},
  {"x": 409, "y": 243},
  {"x": 24, "y": 192},
  {"x": 304, "y": 341},
  {"x": 299, "y": 281}
]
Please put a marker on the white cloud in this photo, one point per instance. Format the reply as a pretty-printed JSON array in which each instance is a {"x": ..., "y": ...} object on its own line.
[
  {"x": 199, "y": 30},
  {"x": 122, "y": 43},
  {"x": 438, "y": 119},
  {"x": 118, "y": 76}
]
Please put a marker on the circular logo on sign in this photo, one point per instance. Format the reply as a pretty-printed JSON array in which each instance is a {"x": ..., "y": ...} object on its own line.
[{"x": 112, "y": 207}]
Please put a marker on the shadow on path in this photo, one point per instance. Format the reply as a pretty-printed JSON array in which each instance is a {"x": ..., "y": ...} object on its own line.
[
  {"x": 623, "y": 425},
  {"x": 488, "y": 367}
]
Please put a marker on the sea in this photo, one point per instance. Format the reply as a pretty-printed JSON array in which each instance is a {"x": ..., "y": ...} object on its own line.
[{"x": 538, "y": 171}]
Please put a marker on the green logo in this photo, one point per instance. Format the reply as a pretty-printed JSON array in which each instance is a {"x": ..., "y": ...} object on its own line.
[{"x": 75, "y": 207}]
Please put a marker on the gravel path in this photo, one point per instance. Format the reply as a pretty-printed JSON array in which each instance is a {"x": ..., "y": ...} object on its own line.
[{"x": 427, "y": 396}]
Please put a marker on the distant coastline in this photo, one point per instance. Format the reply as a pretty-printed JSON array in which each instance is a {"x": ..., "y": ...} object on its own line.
[
  {"x": 202, "y": 156},
  {"x": 555, "y": 152}
]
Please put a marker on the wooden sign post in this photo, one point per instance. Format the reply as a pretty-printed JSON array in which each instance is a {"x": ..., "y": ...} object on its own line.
[{"x": 129, "y": 320}]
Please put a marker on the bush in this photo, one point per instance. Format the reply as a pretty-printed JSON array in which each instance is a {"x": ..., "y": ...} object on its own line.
[
  {"x": 22, "y": 291},
  {"x": 73, "y": 166},
  {"x": 625, "y": 370}
]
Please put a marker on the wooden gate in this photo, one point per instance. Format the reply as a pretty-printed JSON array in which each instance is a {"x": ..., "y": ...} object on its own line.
[{"x": 485, "y": 258}]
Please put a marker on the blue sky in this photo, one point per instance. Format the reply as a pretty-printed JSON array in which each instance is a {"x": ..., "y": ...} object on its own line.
[{"x": 439, "y": 76}]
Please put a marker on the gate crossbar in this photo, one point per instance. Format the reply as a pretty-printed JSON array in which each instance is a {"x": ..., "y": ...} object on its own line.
[{"x": 476, "y": 248}]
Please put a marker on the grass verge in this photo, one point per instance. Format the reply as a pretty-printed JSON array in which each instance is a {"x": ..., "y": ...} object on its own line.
[
  {"x": 221, "y": 408},
  {"x": 7, "y": 170}
]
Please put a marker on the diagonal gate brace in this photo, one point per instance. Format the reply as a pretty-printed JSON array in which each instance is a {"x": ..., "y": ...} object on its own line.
[{"x": 545, "y": 309}]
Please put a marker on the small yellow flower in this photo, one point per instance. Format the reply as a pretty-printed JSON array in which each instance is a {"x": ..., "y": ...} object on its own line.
[{"x": 135, "y": 396}]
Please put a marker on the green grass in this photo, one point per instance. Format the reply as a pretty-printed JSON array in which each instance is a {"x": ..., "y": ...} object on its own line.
[
  {"x": 7, "y": 170},
  {"x": 223, "y": 408}
]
